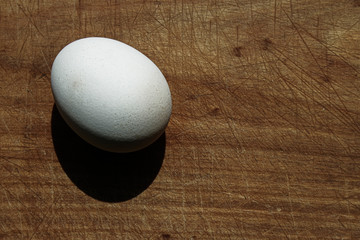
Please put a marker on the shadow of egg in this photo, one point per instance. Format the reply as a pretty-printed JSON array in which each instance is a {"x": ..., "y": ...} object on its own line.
[{"x": 105, "y": 176}]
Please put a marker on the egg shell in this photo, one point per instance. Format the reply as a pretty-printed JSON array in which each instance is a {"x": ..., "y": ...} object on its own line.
[{"x": 110, "y": 94}]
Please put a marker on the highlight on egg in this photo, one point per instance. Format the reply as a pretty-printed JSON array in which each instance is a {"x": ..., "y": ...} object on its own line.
[{"x": 110, "y": 94}]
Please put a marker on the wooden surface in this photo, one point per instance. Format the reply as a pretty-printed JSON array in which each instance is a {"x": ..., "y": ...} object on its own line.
[{"x": 263, "y": 143}]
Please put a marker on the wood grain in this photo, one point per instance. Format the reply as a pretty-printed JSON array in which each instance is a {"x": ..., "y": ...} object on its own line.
[{"x": 263, "y": 143}]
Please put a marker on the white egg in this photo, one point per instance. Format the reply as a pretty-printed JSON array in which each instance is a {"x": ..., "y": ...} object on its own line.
[{"x": 110, "y": 94}]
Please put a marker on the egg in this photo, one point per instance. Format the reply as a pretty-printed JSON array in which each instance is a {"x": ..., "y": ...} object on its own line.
[{"x": 110, "y": 94}]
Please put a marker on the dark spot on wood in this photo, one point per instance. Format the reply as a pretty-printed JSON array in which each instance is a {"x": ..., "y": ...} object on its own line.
[
  {"x": 237, "y": 51},
  {"x": 191, "y": 97},
  {"x": 356, "y": 3},
  {"x": 266, "y": 43},
  {"x": 165, "y": 236},
  {"x": 38, "y": 68},
  {"x": 325, "y": 78},
  {"x": 19, "y": 101},
  {"x": 215, "y": 112}
]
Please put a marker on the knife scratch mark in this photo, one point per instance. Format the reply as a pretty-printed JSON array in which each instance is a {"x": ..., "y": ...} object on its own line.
[
  {"x": 305, "y": 43},
  {"x": 7, "y": 191},
  {"x": 275, "y": 8},
  {"x": 11, "y": 162},
  {"x": 46, "y": 62},
  {"x": 22, "y": 47},
  {"x": 331, "y": 49},
  {"x": 315, "y": 88},
  {"x": 53, "y": 177},
  {"x": 44, "y": 217},
  {"x": 281, "y": 227},
  {"x": 22, "y": 181},
  {"x": 138, "y": 12},
  {"x": 183, "y": 196},
  {"x": 31, "y": 20},
  {"x": 210, "y": 62},
  {"x": 343, "y": 113},
  {"x": 6, "y": 126},
  {"x": 290, "y": 200},
  {"x": 7, "y": 197}
]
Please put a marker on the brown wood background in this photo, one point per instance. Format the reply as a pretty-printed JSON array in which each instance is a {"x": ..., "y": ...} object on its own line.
[{"x": 263, "y": 143}]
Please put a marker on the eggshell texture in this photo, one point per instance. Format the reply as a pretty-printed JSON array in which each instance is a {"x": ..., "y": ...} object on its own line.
[{"x": 110, "y": 94}]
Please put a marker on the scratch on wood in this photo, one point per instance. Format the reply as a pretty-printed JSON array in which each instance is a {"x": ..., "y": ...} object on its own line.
[
  {"x": 330, "y": 49},
  {"x": 322, "y": 70},
  {"x": 290, "y": 200},
  {"x": 44, "y": 217},
  {"x": 31, "y": 20},
  {"x": 6, "y": 126},
  {"x": 305, "y": 43},
  {"x": 138, "y": 12},
  {"x": 319, "y": 92},
  {"x": 46, "y": 62},
  {"x": 22, "y": 46},
  {"x": 183, "y": 197},
  {"x": 275, "y": 9}
]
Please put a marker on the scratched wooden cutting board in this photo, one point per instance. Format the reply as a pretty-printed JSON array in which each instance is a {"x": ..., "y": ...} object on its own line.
[{"x": 263, "y": 143}]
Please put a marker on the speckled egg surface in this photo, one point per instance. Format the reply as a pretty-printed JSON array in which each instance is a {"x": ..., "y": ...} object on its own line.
[{"x": 110, "y": 94}]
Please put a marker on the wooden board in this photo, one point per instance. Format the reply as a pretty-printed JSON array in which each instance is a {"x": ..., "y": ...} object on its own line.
[{"x": 263, "y": 143}]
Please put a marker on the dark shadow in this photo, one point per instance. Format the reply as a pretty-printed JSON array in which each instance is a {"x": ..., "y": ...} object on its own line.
[{"x": 106, "y": 176}]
